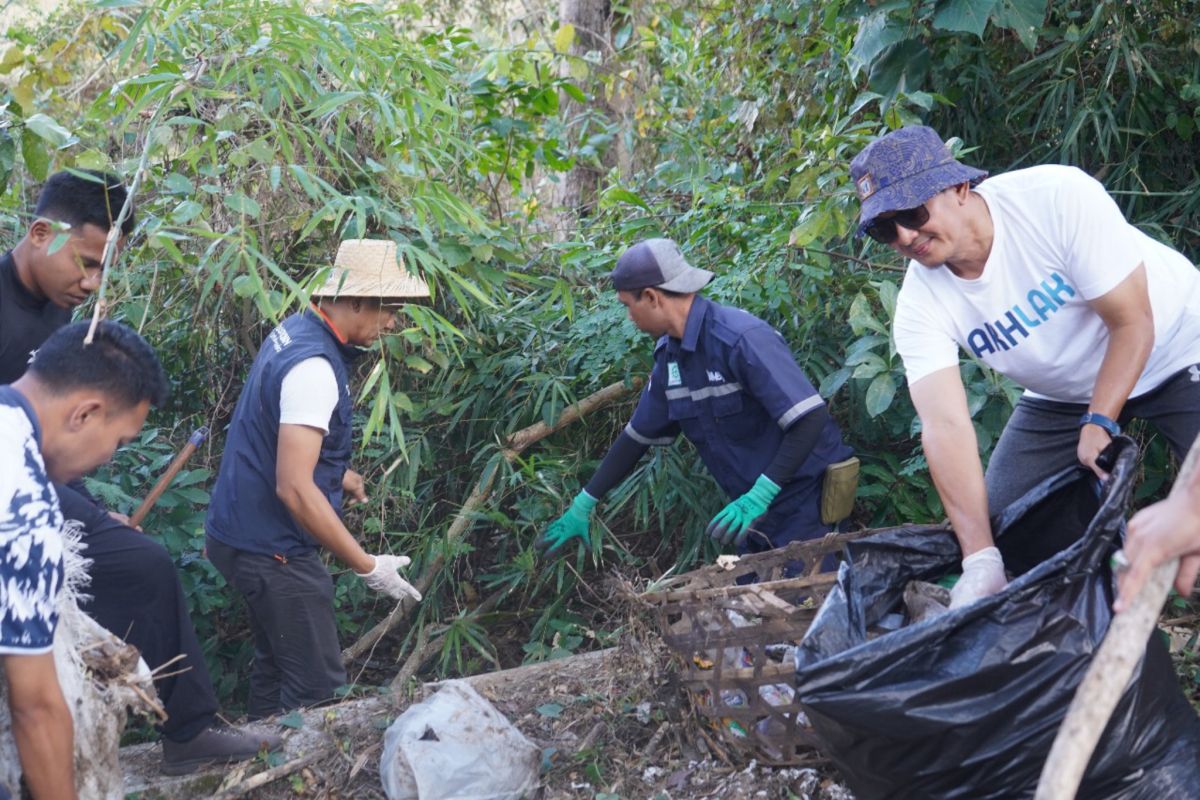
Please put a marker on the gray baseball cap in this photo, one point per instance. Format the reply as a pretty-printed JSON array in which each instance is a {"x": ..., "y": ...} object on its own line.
[{"x": 658, "y": 264}]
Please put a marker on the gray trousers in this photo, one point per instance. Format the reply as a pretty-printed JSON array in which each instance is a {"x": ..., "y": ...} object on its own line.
[
  {"x": 1042, "y": 436},
  {"x": 297, "y": 658}
]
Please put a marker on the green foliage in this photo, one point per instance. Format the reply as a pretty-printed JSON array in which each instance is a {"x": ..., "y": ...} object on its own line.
[{"x": 270, "y": 131}]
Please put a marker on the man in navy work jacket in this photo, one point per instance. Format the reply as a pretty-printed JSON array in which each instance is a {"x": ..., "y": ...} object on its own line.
[
  {"x": 278, "y": 496},
  {"x": 728, "y": 382}
]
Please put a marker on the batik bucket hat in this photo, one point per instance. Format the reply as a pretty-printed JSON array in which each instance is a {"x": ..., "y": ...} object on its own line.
[{"x": 904, "y": 169}]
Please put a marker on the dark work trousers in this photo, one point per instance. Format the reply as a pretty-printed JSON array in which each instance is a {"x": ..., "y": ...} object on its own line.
[
  {"x": 297, "y": 658},
  {"x": 1042, "y": 436},
  {"x": 135, "y": 593}
]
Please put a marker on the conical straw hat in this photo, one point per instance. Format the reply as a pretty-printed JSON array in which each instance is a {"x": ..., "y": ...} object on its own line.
[{"x": 370, "y": 268}]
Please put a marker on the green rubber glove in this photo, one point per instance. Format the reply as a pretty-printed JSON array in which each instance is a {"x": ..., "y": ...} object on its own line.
[
  {"x": 732, "y": 523},
  {"x": 574, "y": 523}
]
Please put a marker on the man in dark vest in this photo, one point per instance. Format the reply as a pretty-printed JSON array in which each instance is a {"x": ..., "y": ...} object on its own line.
[
  {"x": 135, "y": 590},
  {"x": 278, "y": 496}
]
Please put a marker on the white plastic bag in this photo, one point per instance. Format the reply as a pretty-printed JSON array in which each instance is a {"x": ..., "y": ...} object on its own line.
[{"x": 457, "y": 746}]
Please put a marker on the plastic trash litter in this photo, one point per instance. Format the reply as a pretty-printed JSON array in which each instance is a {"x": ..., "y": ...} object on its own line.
[
  {"x": 965, "y": 705},
  {"x": 457, "y": 745}
]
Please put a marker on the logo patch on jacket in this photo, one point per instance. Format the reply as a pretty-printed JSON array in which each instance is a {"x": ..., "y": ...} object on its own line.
[
  {"x": 673, "y": 376},
  {"x": 715, "y": 377}
]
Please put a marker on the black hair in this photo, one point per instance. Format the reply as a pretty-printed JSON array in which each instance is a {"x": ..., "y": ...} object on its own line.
[
  {"x": 118, "y": 362},
  {"x": 76, "y": 200},
  {"x": 637, "y": 293}
]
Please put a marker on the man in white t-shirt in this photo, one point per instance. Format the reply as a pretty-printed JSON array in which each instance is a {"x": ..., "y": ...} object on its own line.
[
  {"x": 1036, "y": 273},
  {"x": 279, "y": 493}
]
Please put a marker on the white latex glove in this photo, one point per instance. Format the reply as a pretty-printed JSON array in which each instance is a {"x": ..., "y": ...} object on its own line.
[
  {"x": 385, "y": 578},
  {"x": 982, "y": 575}
]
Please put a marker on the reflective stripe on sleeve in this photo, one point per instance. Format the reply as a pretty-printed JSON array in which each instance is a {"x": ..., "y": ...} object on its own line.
[
  {"x": 799, "y": 410},
  {"x": 637, "y": 437}
]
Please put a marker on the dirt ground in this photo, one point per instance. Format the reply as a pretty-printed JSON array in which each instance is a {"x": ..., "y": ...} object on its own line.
[{"x": 610, "y": 724}]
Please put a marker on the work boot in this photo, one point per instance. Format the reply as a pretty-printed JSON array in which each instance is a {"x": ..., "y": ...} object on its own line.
[{"x": 217, "y": 744}]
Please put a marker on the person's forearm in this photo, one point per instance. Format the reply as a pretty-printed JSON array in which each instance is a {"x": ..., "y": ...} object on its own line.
[
  {"x": 798, "y": 442},
  {"x": 1128, "y": 349},
  {"x": 45, "y": 738},
  {"x": 309, "y": 507},
  {"x": 958, "y": 475},
  {"x": 617, "y": 463}
]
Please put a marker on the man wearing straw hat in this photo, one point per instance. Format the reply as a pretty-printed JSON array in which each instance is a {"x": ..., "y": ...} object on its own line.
[
  {"x": 285, "y": 469},
  {"x": 1036, "y": 273}
]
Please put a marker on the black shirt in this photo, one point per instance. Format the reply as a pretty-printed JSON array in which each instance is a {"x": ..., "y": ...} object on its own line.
[{"x": 25, "y": 321}]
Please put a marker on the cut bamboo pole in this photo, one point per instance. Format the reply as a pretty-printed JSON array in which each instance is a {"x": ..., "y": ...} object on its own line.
[{"x": 1123, "y": 648}]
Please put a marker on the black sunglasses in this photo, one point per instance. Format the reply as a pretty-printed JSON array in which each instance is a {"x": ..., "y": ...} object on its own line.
[{"x": 884, "y": 230}]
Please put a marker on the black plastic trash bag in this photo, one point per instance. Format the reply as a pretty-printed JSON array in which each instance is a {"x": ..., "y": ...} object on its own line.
[{"x": 966, "y": 705}]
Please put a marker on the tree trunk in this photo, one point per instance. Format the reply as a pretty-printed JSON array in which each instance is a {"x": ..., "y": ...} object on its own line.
[{"x": 574, "y": 195}]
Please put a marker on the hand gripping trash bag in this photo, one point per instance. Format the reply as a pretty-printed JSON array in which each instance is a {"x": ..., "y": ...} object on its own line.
[{"x": 966, "y": 705}]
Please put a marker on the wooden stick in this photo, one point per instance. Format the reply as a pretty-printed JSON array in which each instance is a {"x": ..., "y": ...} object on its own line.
[
  {"x": 515, "y": 445},
  {"x": 195, "y": 440},
  {"x": 1123, "y": 648},
  {"x": 268, "y": 776}
]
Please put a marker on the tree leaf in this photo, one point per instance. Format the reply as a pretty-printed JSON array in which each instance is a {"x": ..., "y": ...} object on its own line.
[
  {"x": 178, "y": 184},
  {"x": 35, "y": 154},
  {"x": 834, "y": 381},
  {"x": 810, "y": 228},
  {"x": 880, "y": 394},
  {"x": 56, "y": 244},
  {"x": 8, "y": 158},
  {"x": 239, "y": 203},
  {"x": 614, "y": 196},
  {"x": 966, "y": 16},
  {"x": 564, "y": 38},
  {"x": 1024, "y": 17},
  {"x": 861, "y": 318},
  {"x": 48, "y": 129},
  {"x": 875, "y": 34},
  {"x": 552, "y": 710},
  {"x": 293, "y": 720}
]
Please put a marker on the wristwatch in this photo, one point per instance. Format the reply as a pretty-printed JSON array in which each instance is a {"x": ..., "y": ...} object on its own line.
[{"x": 1092, "y": 418}]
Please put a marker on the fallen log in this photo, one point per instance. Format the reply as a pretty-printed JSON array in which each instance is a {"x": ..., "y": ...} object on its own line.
[
  {"x": 514, "y": 446},
  {"x": 1123, "y": 647}
]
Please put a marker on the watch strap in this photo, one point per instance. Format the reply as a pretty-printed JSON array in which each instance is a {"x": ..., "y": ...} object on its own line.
[{"x": 1092, "y": 418}]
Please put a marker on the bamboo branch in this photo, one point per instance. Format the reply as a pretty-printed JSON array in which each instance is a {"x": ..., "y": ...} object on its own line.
[
  {"x": 1123, "y": 648},
  {"x": 268, "y": 776},
  {"x": 514, "y": 446},
  {"x": 114, "y": 231}
]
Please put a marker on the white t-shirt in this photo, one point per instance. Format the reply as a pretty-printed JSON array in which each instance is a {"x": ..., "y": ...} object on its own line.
[
  {"x": 308, "y": 394},
  {"x": 1059, "y": 241}
]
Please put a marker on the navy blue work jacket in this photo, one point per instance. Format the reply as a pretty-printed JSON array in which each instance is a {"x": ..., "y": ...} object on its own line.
[
  {"x": 245, "y": 512},
  {"x": 731, "y": 386}
]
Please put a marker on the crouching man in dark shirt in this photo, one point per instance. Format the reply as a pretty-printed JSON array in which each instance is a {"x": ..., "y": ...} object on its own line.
[
  {"x": 135, "y": 589},
  {"x": 64, "y": 417}
]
